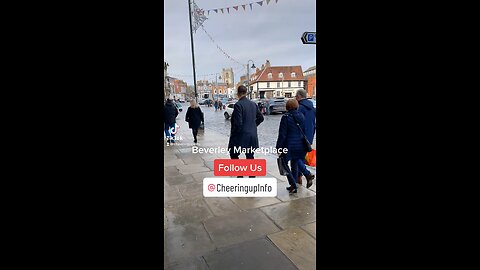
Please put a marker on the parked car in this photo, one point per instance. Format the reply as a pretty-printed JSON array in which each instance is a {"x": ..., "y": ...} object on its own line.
[
  {"x": 229, "y": 110},
  {"x": 181, "y": 100},
  {"x": 179, "y": 106},
  {"x": 274, "y": 105},
  {"x": 202, "y": 101}
]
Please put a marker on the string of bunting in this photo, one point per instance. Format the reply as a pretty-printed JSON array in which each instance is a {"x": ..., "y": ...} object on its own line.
[
  {"x": 227, "y": 9},
  {"x": 226, "y": 54}
]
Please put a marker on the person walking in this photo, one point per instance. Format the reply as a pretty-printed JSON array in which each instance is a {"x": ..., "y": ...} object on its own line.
[
  {"x": 220, "y": 105},
  {"x": 244, "y": 121},
  {"x": 309, "y": 112},
  {"x": 216, "y": 104},
  {"x": 290, "y": 137},
  {"x": 194, "y": 117},
  {"x": 170, "y": 114}
]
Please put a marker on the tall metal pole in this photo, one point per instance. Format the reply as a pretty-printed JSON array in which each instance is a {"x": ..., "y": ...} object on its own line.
[
  {"x": 248, "y": 80},
  {"x": 193, "y": 54}
]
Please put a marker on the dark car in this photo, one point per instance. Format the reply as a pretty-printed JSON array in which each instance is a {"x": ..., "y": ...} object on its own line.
[
  {"x": 179, "y": 106},
  {"x": 275, "y": 105}
]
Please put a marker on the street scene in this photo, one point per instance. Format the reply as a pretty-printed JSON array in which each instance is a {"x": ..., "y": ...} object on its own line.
[{"x": 240, "y": 74}]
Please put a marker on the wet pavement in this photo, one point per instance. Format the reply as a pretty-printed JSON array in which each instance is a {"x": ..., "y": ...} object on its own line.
[{"x": 232, "y": 233}]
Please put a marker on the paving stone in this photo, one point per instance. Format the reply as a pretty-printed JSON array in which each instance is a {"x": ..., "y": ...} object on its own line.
[
  {"x": 311, "y": 229},
  {"x": 193, "y": 160},
  {"x": 209, "y": 164},
  {"x": 236, "y": 228},
  {"x": 186, "y": 212},
  {"x": 186, "y": 241},
  {"x": 191, "y": 191},
  {"x": 255, "y": 254},
  {"x": 199, "y": 176},
  {"x": 192, "y": 168},
  {"x": 171, "y": 194},
  {"x": 172, "y": 162},
  {"x": 189, "y": 264},
  {"x": 292, "y": 213},
  {"x": 171, "y": 171},
  {"x": 297, "y": 245},
  {"x": 179, "y": 180},
  {"x": 222, "y": 206},
  {"x": 254, "y": 202},
  {"x": 284, "y": 196}
]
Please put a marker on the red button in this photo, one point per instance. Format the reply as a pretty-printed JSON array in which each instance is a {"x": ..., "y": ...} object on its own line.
[{"x": 240, "y": 167}]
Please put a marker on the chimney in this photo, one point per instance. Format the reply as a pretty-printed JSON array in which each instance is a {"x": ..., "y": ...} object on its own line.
[
  {"x": 263, "y": 66},
  {"x": 267, "y": 64}
]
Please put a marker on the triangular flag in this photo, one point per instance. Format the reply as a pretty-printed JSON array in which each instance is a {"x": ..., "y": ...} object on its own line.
[
  {"x": 236, "y": 8},
  {"x": 260, "y": 3},
  {"x": 251, "y": 6},
  {"x": 243, "y": 7},
  {"x": 268, "y": 1},
  {"x": 228, "y": 10},
  {"x": 208, "y": 12},
  {"x": 221, "y": 10},
  {"x": 216, "y": 10},
  {"x": 276, "y": 1}
]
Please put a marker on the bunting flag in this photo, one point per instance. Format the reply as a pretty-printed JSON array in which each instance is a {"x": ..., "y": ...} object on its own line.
[
  {"x": 208, "y": 13},
  {"x": 218, "y": 47},
  {"x": 260, "y": 3},
  {"x": 198, "y": 17}
]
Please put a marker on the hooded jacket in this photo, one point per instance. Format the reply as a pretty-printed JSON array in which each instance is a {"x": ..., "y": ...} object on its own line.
[{"x": 309, "y": 112}]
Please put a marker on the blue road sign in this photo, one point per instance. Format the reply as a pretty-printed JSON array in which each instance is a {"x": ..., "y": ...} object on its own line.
[{"x": 309, "y": 38}]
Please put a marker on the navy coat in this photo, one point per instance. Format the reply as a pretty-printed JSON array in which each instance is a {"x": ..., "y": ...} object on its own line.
[
  {"x": 244, "y": 121},
  {"x": 194, "y": 117},
  {"x": 307, "y": 109},
  {"x": 289, "y": 135},
  {"x": 170, "y": 113}
]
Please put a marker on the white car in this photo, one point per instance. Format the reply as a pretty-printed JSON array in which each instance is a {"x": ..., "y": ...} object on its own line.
[{"x": 228, "y": 110}]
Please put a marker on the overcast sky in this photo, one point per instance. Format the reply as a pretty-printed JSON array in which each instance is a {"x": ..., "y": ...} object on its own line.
[{"x": 270, "y": 32}]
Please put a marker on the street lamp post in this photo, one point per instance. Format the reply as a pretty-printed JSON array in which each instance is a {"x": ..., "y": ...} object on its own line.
[{"x": 248, "y": 77}]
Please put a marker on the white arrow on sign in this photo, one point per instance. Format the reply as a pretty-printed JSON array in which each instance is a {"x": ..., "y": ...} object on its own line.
[{"x": 309, "y": 38}]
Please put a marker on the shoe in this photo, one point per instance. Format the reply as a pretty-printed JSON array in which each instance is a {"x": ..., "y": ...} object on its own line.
[
  {"x": 310, "y": 178},
  {"x": 292, "y": 190},
  {"x": 195, "y": 141},
  {"x": 299, "y": 180},
  {"x": 288, "y": 188}
]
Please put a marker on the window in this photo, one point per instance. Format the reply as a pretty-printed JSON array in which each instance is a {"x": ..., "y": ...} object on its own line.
[
  {"x": 278, "y": 93},
  {"x": 293, "y": 74},
  {"x": 268, "y": 84},
  {"x": 269, "y": 75},
  {"x": 288, "y": 95},
  {"x": 289, "y": 84},
  {"x": 278, "y": 85},
  {"x": 280, "y": 75}
]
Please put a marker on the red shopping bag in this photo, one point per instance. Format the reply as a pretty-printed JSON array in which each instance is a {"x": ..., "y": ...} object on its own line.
[{"x": 311, "y": 158}]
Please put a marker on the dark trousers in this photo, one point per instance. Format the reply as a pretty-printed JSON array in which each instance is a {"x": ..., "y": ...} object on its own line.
[
  {"x": 292, "y": 177},
  {"x": 302, "y": 168},
  {"x": 195, "y": 132},
  {"x": 234, "y": 155}
]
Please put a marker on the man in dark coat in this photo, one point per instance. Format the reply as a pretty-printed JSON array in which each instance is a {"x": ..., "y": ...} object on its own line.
[
  {"x": 309, "y": 112},
  {"x": 245, "y": 119},
  {"x": 170, "y": 114}
]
